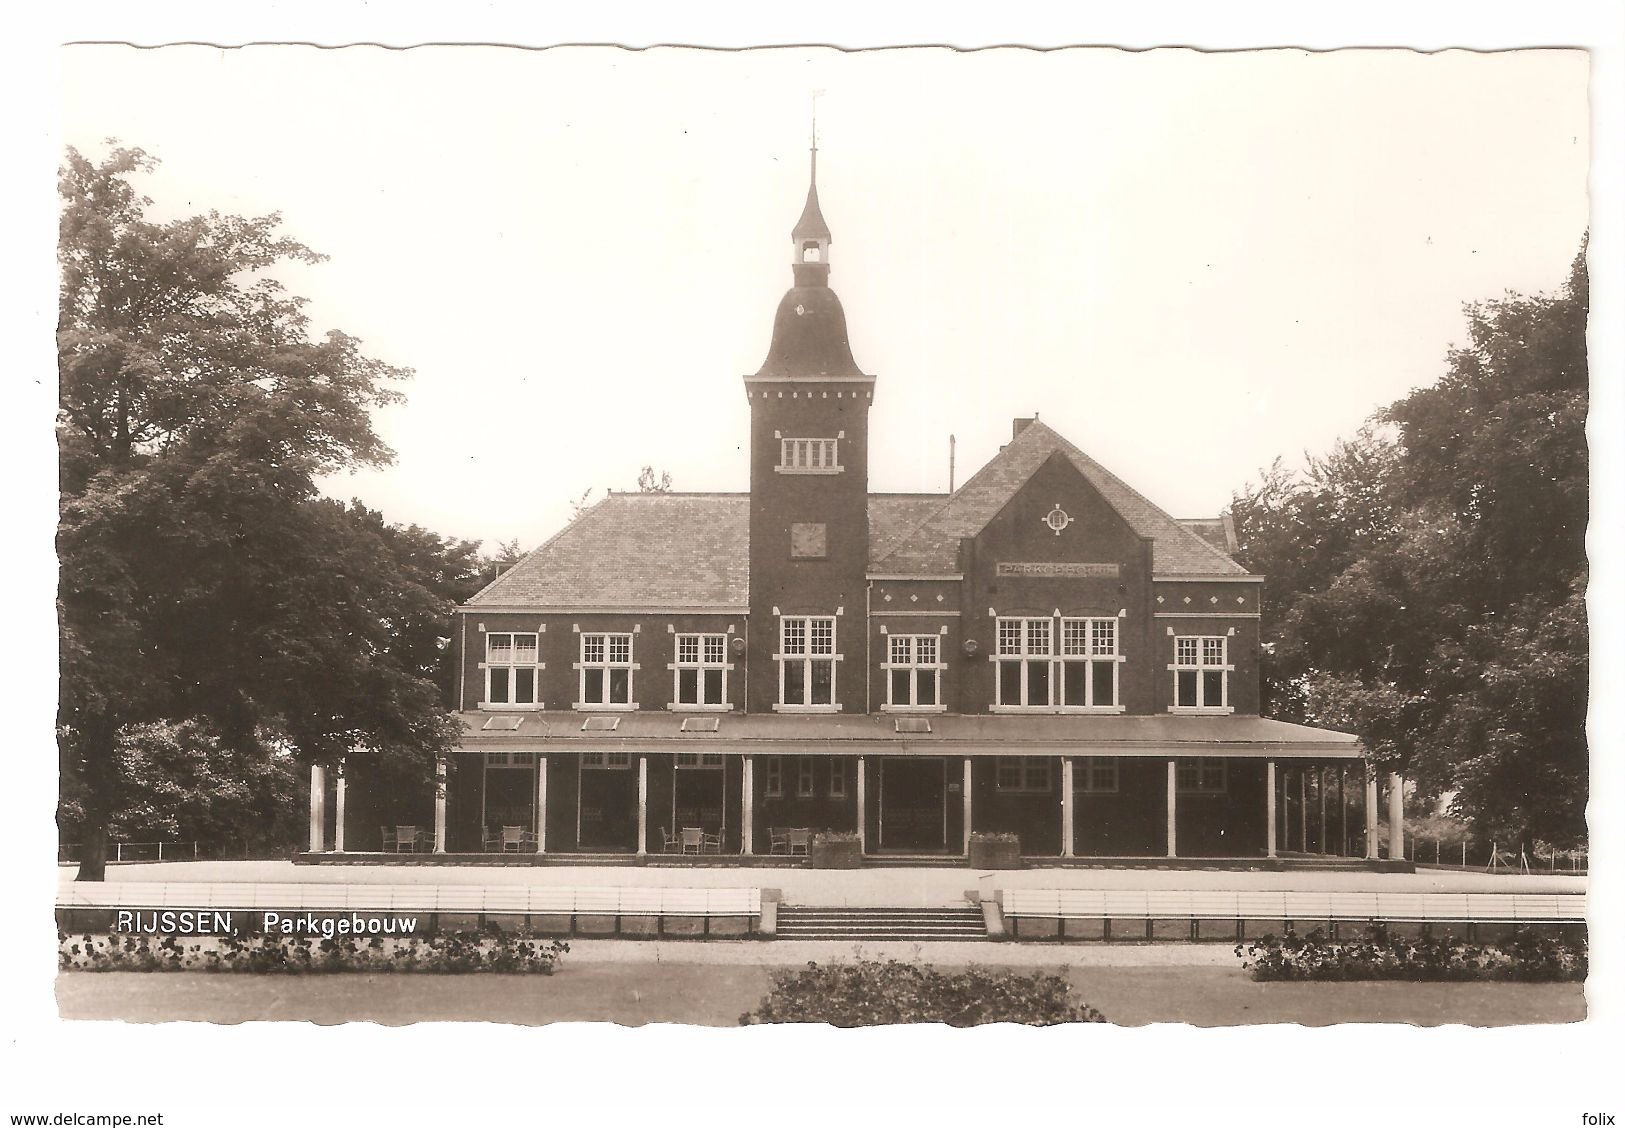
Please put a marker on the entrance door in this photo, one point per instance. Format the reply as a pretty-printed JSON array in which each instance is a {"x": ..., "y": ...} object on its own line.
[
  {"x": 913, "y": 803},
  {"x": 609, "y": 802}
]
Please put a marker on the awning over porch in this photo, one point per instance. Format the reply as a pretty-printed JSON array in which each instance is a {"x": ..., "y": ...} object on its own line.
[{"x": 935, "y": 734}]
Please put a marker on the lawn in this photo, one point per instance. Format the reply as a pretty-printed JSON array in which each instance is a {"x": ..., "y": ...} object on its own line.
[{"x": 716, "y": 995}]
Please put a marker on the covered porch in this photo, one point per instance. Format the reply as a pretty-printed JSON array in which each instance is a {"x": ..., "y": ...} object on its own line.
[{"x": 754, "y": 790}]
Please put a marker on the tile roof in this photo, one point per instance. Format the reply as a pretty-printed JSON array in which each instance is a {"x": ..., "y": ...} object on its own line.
[
  {"x": 663, "y": 550},
  {"x": 933, "y": 545},
  {"x": 637, "y": 550},
  {"x": 660, "y": 551}
]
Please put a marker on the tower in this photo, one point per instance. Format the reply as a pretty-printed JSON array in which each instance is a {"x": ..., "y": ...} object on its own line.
[{"x": 809, "y": 484}]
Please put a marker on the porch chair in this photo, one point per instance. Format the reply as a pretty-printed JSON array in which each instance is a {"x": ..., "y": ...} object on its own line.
[
  {"x": 692, "y": 836},
  {"x": 406, "y": 838},
  {"x": 778, "y": 840},
  {"x": 669, "y": 843},
  {"x": 386, "y": 835},
  {"x": 513, "y": 838},
  {"x": 799, "y": 838},
  {"x": 490, "y": 839},
  {"x": 711, "y": 843}
]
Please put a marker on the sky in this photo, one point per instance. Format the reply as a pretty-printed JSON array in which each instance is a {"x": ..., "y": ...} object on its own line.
[{"x": 1188, "y": 263}]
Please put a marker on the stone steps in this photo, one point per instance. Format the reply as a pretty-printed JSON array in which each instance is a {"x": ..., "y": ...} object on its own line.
[{"x": 811, "y": 922}]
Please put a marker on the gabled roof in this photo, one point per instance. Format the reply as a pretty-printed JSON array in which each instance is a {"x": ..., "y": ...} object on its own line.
[
  {"x": 933, "y": 545},
  {"x": 663, "y": 551}
]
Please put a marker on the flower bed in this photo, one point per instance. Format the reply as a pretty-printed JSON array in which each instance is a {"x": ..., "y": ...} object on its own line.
[
  {"x": 453, "y": 953},
  {"x": 1528, "y": 957},
  {"x": 876, "y": 993}
]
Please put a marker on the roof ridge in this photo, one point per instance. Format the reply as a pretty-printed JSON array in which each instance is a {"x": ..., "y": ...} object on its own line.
[{"x": 948, "y": 499}]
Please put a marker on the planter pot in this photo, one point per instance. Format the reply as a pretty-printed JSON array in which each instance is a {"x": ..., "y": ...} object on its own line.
[
  {"x": 995, "y": 855},
  {"x": 834, "y": 855}
]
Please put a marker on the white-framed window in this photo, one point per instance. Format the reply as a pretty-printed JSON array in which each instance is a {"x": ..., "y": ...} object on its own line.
[
  {"x": 606, "y": 671},
  {"x": 914, "y": 672},
  {"x": 1201, "y": 669},
  {"x": 837, "y": 779},
  {"x": 700, "y": 673},
  {"x": 512, "y": 670},
  {"x": 1097, "y": 775},
  {"x": 1029, "y": 774},
  {"x": 699, "y": 759},
  {"x": 614, "y": 761},
  {"x": 807, "y": 661},
  {"x": 510, "y": 759},
  {"x": 808, "y": 456},
  {"x": 805, "y": 784},
  {"x": 1088, "y": 663},
  {"x": 773, "y": 777},
  {"x": 1200, "y": 776},
  {"x": 1025, "y": 653},
  {"x": 1067, "y": 664}
]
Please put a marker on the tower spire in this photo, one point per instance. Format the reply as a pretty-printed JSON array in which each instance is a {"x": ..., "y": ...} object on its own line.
[{"x": 810, "y": 237}]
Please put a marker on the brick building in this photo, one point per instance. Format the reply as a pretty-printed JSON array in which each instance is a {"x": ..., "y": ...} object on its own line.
[{"x": 1041, "y": 652}]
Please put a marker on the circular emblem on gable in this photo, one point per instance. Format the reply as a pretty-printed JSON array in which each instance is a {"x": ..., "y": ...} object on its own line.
[{"x": 1057, "y": 519}]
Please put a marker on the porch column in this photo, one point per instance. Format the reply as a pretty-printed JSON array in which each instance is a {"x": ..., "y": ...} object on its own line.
[
  {"x": 318, "y": 803},
  {"x": 439, "y": 804},
  {"x": 1323, "y": 837},
  {"x": 643, "y": 805},
  {"x": 1343, "y": 810},
  {"x": 1305, "y": 805},
  {"x": 965, "y": 787},
  {"x": 1370, "y": 814},
  {"x": 1173, "y": 805},
  {"x": 338, "y": 807},
  {"x": 747, "y": 805},
  {"x": 541, "y": 802},
  {"x": 1067, "y": 815},
  {"x": 1269, "y": 809},
  {"x": 1396, "y": 817},
  {"x": 863, "y": 811}
]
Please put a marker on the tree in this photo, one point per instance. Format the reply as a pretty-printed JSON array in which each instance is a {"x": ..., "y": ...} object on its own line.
[
  {"x": 200, "y": 578},
  {"x": 649, "y": 482},
  {"x": 1426, "y": 580}
]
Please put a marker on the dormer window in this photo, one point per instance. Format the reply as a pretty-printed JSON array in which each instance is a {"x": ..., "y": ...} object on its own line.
[{"x": 808, "y": 456}]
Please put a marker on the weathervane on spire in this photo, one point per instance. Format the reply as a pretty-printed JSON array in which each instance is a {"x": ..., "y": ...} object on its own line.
[{"x": 811, "y": 236}]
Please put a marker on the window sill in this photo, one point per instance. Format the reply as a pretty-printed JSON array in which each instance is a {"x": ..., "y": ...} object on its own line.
[
  {"x": 590, "y": 707},
  {"x": 1100, "y": 709},
  {"x": 806, "y": 708},
  {"x": 1202, "y": 710},
  {"x": 676, "y": 708},
  {"x": 905, "y": 709},
  {"x": 809, "y": 470},
  {"x": 491, "y": 707}
]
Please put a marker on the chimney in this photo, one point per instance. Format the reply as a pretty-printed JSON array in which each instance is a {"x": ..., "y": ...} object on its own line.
[{"x": 1019, "y": 425}]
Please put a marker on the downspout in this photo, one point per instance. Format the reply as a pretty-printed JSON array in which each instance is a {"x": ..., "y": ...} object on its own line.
[{"x": 868, "y": 630}]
